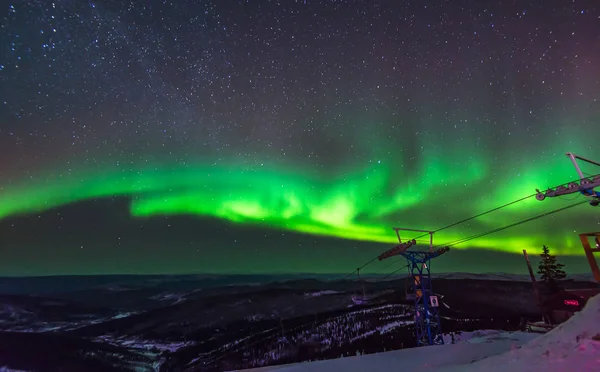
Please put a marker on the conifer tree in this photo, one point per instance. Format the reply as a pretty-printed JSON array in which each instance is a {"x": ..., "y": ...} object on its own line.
[{"x": 550, "y": 270}]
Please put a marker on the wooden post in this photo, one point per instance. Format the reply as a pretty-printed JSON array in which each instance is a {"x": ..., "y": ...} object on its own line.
[
  {"x": 363, "y": 286},
  {"x": 533, "y": 281}
]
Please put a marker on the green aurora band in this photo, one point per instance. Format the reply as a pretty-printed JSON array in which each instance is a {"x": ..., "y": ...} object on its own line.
[{"x": 360, "y": 206}]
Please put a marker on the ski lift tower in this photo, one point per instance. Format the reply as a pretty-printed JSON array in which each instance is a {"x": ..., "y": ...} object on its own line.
[
  {"x": 427, "y": 319},
  {"x": 585, "y": 187}
]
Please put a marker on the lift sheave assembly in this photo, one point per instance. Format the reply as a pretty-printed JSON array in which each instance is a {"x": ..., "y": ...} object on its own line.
[{"x": 585, "y": 187}]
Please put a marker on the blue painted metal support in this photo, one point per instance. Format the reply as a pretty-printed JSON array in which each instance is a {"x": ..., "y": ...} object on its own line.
[{"x": 427, "y": 320}]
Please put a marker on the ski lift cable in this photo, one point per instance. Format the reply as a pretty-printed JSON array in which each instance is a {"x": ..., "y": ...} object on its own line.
[
  {"x": 476, "y": 236},
  {"x": 385, "y": 267},
  {"x": 360, "y": 268},
  {"x": 480, "y": 214},
  {"x": 395, "y": 271},
  {"x": 493, "y": 210},
  {"x": 451, "y": 225},
  {"x": 566, "y": 198},
  {"x": 213, "y": 357},
  {"x": 466, "y": 220},
  {"x": 463, "y": 240}
]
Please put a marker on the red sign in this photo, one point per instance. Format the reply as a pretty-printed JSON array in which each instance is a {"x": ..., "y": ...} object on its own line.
[{"x": 572, "y": 302}]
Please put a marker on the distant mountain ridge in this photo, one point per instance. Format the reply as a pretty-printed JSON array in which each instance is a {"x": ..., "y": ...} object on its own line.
[{"x": 46, "y": 285}]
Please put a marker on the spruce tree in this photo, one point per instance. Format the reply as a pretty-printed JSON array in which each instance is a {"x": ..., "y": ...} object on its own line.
[{"x": 550, "y": 270}]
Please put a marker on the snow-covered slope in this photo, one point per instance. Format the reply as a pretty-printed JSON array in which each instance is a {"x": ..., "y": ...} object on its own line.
[
  {"x": 432, "y": 358},
  {"x": 572, "y": 346}
]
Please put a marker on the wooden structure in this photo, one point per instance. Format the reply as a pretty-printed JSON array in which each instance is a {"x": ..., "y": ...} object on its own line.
[
  {"x": 589, "y": 251},
  {"x": 532, "y": 276},
  {"x": 558, "y": 307}
]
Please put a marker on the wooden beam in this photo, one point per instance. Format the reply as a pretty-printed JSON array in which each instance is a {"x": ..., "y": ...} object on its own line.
[
  {"x": 589, "y": 252},
  {"x": 532, "y": 276}
]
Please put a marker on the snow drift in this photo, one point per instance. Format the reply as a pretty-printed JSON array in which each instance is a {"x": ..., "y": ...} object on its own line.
[{"x": 572, "y": 346}]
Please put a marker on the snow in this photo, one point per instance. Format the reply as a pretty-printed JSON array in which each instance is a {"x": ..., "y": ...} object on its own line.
[
  {"x": 431, "y": 358},
  {"x": 141, "y": 344},
  {"x": 254, "y": 318},
  {"x": 322, "y": 293},
  {"x": 572, "y": 346},
  {"x": 117, "y": 288},
  {"x": 166, "y": 296},
  {"x": 41, "y": 327},
  {"x": 489, "y": 335},
  {"x": 123, "y": 315}
]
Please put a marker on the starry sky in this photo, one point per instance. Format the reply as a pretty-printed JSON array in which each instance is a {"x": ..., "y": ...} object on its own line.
[{"x": 261, "y": 136}]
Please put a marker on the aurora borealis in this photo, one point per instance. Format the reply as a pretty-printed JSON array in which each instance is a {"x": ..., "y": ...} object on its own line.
[{"x": 305, "y": 130}]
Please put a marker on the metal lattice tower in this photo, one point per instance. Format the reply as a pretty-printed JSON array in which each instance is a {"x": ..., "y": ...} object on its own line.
[{"x": 427, "y": 320}]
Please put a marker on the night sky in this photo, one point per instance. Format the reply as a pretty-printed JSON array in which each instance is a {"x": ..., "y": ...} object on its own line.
[{"x": 254, "y": 136}]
